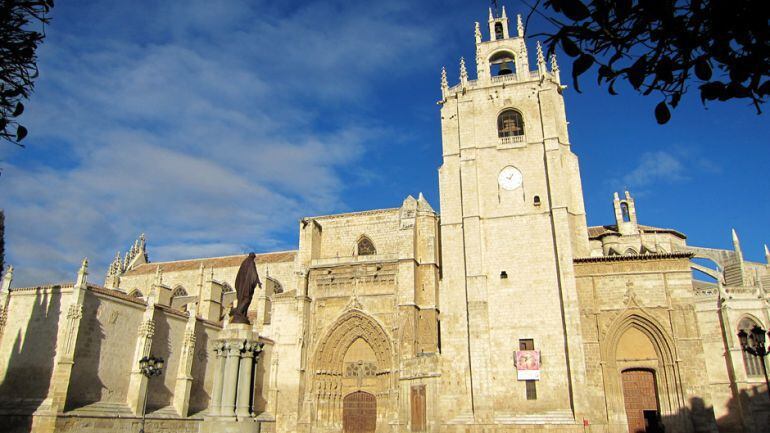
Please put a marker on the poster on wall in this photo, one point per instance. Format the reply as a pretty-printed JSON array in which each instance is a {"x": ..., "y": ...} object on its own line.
[{"x": 528, "y": 364}]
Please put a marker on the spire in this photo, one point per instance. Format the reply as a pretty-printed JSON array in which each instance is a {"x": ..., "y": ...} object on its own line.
[
  {"x": 541, "y": 68},
  {"x": 463, "y": 72},
  {"x": 477, "y": 33},
  {"x": 8, "y": 278},
  {"x": 504, "y": 16},
  {"x": 519, "y": 26},
  {"x": 491, "y": 17},
  {"x": 767, "y": 255},
  {"x": 82, "y": 275}
]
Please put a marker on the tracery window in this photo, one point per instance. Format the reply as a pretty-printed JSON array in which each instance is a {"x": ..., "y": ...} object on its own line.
[
  {"x": 510, "y": 124},
  {"x": 365, "y": 247},
  {"x": 752, "y": 364},
  {"x": 179, "y": 291}
]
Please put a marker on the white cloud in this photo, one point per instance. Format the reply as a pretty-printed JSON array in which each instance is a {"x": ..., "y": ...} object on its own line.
[{"x": 213, "y": 134}]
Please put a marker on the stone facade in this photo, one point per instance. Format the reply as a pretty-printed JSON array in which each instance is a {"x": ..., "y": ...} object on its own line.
[{"x": 397, "y": 320}]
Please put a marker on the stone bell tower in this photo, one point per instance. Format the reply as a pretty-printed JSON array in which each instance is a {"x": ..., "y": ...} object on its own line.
[{"x": 512, "y": 220}]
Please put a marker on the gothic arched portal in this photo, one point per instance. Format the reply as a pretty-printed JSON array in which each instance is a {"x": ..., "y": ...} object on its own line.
[{"x": 355, "y": 356}]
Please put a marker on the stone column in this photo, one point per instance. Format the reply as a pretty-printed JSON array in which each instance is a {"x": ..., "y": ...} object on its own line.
[
  {"x": 229, "y": 387},
  {"x": 249, "y": 357},
  {"x": 184, "y": 377},
  {"x": 215, "y": 405},
  {"x": 137, "y": 385}
]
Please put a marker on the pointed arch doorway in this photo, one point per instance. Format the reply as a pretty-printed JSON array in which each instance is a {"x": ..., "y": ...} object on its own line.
[{"x": 359, "y": 413}]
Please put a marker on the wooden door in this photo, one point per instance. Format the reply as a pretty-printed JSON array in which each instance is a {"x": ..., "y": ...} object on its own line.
[
  {"x": 359, "y": 413},
  {"x": 641, "y": 401}
]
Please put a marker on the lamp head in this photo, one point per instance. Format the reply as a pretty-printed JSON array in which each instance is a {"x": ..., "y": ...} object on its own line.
[
  {"x": 758, "y": 336},
  {"x": 743, "y": 337}
]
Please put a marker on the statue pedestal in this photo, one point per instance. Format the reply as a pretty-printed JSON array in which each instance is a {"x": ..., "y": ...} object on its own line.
[{"x": 237, "y": 352}]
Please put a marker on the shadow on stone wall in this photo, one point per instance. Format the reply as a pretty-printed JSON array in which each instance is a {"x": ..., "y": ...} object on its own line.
[
  {"x": 160, "y": 395},
  {"x": 199, "y": 397},
  {"x": 699, "y": 418},
  {"x": 85, "y": 385},
  {"x": 30, "y": 364}
]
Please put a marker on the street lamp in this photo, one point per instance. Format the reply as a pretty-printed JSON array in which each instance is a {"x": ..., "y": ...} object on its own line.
[
  {"x": 149, "y": 366},
  {"x": 754, "y": 345}
]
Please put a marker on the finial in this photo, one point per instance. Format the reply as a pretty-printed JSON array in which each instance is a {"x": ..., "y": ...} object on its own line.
[
  {"x": 463, "y": 71},
  {"x": 477, "y": 33},
  {"x": 82, "y": 274},
  {"x": 554, "y": 65},
  {"x": 767, "y": 255},
  {"x": 444, "y": 83},
  {"x": 504, "y": 15},
  {"x": 737, "y": 245},
  {"x": 8, "y": 277},
  {"x": 491, "y": 17},
  {"x": 540, "y": 56},
  {"x": 519, "y": 26},
  {"x": 615, "y": 196}
]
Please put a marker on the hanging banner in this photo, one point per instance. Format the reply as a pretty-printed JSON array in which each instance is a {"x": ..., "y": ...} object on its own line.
[{"x": 528, "y": 364}]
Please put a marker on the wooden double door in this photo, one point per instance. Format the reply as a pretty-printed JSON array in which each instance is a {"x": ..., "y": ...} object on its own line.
[
  {"x": 359, "y": 413},
  {"x": 640, "y": 397}
]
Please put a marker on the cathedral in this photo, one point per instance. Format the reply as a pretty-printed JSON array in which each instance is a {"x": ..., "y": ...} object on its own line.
[{"x": 506, "y": 312}]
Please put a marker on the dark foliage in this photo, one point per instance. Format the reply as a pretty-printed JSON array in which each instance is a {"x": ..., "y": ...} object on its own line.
[
  {"x": 665, "y": 46},
  {"x": 2, "y": 241},
  {"x": 18, "y": 67}
]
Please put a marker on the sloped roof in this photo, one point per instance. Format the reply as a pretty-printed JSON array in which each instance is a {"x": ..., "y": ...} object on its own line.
[
  {"x": 597, "y": 232},
  {"x": 212, "y": 262}
]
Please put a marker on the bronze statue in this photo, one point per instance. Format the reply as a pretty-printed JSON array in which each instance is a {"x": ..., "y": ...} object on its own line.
[{"x": 245, "y": 282}]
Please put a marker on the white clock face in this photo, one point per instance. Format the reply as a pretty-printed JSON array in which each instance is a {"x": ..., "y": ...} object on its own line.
[{"x": 510, "y": 178}]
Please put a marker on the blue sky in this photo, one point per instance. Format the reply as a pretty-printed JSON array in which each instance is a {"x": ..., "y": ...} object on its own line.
[{"x": 214, "y": 126}]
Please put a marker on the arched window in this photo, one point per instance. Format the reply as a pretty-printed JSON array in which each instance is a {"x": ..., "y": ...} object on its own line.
[
  {"x": 179, "y": 291},
  {"x": 365, "y": 247},
  {"x": 499, "y": 31},
  {"x": 510, "y": 124},
  {"x": 753, "y": 364},
  {"x": 624, "y": 212}
]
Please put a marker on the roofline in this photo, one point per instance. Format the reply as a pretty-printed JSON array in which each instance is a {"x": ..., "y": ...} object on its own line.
[{"x": 635, "y": 257}]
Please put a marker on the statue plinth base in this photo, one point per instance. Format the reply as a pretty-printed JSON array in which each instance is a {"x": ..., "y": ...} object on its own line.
[{"x": 237, "y": 351}]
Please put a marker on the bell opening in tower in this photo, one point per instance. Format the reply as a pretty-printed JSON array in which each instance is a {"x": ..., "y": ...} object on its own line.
[
  {"x": 502, "y": 64},
  {"x": 499, "y": 31}
]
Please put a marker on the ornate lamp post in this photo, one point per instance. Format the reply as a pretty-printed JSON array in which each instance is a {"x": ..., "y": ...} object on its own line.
[
  {"x": 754, "y": 345},
  {"x": 149, "y": 366}
]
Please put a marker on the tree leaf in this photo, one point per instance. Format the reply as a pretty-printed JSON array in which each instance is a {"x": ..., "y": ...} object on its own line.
[
  {"x": 582, "y": 64},
  {"x": 703, "y": 69},
  {"x": 19, "y": 109},
  {"x": 662, "y": 113},
  {"x": 21, "y": 132},
  {"x": 574, "y": 9},
  {"x": 569, "y": 47}
]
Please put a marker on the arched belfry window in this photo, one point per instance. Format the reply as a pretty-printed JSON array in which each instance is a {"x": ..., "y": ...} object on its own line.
[
  {"x": 753, "y": 364},
  {"x": 365, "y": 247},
  {"x": 510, "y": 124},
  {"x": 499, "y": 31},
  {"x": 502, "y": 63},
  {"x": 624, "y": 212}
]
